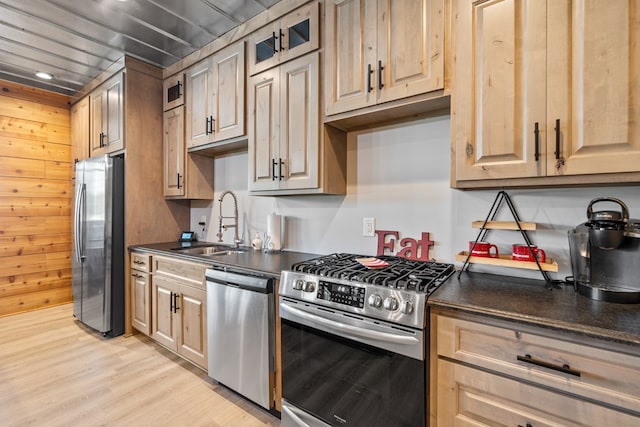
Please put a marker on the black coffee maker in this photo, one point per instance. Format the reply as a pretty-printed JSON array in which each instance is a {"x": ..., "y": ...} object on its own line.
[{"x": 605, "y": 254}]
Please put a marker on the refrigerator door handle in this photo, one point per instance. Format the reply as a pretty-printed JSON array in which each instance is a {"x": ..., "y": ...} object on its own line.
[{"x": 78, "y": 235}]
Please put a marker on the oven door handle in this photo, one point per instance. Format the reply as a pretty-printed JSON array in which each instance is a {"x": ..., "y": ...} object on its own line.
[
  {"x": 348, "y": 331},
  {"x": 299, "y": 417}
]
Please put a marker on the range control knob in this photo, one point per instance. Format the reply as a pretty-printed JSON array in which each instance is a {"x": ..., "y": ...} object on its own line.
[
  {"x": 375, "y": 300},
  {"x": 406, "y": 307},
  {"x": 309, "y": 287},
  {"x": 298, "y": 284},
  {"x": 390, "y": 303}
]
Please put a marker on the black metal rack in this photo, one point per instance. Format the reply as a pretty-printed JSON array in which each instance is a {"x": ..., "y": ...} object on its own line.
[{"x": 502, "y": 196}]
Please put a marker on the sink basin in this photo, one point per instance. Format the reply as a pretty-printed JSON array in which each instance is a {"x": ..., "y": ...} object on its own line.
[
  {"x": 228, "y": 252},
  {"x": 210, "y": 250}
]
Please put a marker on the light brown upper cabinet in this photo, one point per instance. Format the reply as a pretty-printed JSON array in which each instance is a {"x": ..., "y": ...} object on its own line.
[
  {"x": 549, "y": 90},
  {"x": 185, "y": 175},
  {"x": 215, "y": 97},
  {"x": 106, "y": 116},
  {"x": 291, "y": 36},
  {"x": 173, "y": 91},
  {"x": 173, "y": 152},
  {"x": 382, "y": 50},
  {"x": 80, "y": 130},
  {"x": 289, "y": 151},
  {"x": 283, "y": 134}
]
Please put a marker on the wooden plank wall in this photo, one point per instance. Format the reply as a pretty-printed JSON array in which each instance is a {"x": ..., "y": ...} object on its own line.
[{"x": 35, "y": 199}]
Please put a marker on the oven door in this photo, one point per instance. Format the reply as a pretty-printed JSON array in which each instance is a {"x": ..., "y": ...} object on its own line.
[{"x": 345, "y": 370}]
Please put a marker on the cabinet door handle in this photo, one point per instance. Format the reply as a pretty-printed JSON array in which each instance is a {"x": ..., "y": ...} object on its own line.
[
  {"x": 101, "y": 139},
  {"x": 380, "y": 68},
  {"x": 179, "y": 89},
  {"x": 178, "y": 180},
  {"x": 175, "y": 303},
  {"x": 561, "y": 368},
  {"x": 211, "y": 123},
  {"x": 526, "y": 425},
  {"x": 281, "y": 163},
  {"x": 206, "y": 127},
  {"x": 281, "y": 38},
  {"x": 171, "y": 302},
  {"x": 273, "y": 169},
  {"x": 536, "y": 133},
  {"x": 369, "y": 72},
  {"x": 557, "y": 129},
  {"x": 275, "y": 38}
]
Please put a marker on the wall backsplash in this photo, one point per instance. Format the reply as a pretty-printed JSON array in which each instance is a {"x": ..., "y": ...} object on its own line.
[{"x": 400, "y": 176}]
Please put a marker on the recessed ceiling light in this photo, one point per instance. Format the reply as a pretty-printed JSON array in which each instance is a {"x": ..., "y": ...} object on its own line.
[{"x": 44, "y": 75}]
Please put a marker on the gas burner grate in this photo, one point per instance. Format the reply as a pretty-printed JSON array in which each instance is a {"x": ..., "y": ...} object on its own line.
[{"x": 401, "y": 273}]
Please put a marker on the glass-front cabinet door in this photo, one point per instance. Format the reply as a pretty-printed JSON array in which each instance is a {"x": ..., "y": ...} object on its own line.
[{"x": 291, "y": 36}]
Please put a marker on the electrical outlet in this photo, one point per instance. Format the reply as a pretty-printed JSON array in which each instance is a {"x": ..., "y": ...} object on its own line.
[
  {"x": 203, "y": 224},
  {"x": 368, "y": 227}
]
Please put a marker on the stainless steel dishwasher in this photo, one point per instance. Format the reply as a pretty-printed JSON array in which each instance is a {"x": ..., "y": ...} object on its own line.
[{"x": 240, "y": 333}]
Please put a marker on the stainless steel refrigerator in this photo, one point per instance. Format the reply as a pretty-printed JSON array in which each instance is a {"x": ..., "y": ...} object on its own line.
[{"x": 98, "y": 244}]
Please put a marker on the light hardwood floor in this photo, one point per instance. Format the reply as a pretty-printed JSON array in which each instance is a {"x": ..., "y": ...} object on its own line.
[{"x": 54, "y": 371}]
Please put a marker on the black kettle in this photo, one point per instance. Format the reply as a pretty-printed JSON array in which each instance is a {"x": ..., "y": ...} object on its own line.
[{"x": 607, "y": 228}]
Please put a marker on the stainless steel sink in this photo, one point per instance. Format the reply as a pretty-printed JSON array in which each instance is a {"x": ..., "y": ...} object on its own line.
[{"x": 210, "y": 250}]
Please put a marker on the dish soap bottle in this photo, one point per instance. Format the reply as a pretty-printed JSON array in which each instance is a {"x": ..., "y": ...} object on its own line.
[{"x": 256, "y": 243}]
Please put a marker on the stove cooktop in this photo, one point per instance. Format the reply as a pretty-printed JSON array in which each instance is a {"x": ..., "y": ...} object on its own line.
[
  {"x": 395, "y": 291},
  {"x": 400, "y": 273}
]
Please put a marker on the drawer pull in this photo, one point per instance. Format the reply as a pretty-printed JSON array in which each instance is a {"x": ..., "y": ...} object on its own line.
[
  {"x": 527, "y": 425},
  {"x": 564, "y": 368}
]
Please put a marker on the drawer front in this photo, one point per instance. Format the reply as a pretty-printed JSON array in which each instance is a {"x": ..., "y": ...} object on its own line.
[
  {"x": 184, "y": 271},
  {"x": 471, "y": 397},
  {"x": 140, "y": 261},
  {"x": 606, "y": 376}
]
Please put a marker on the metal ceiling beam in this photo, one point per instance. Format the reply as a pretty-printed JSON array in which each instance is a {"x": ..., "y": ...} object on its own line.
[
  {"x": 222, "y": 12},
  {"x": 101, "y": 25},
  {"x": 77, "y": 41},
  {"x": 182, "y": 18}
]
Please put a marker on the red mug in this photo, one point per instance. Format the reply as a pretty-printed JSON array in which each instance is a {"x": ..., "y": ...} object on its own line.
[
  {"x": 522, "y": 253},
  {"x": 483, "y": 249}
]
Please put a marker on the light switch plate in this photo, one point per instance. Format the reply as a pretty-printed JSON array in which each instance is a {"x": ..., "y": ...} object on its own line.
[{"x": 368, "y": 227}]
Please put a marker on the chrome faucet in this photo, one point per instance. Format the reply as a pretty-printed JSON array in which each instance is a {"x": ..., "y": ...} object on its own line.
[{"x": 221, "y": 226}]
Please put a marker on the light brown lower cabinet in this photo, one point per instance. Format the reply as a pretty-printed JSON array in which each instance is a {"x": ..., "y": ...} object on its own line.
[
  {"x": 180, "y": 318},
  {"x": 141, "y": 292},
  {"x": 140, "y": 299},
  {"x": 170, "y": 304},
  {"x": 491, "y": 372},
  {"x": 473, "y": 397}
]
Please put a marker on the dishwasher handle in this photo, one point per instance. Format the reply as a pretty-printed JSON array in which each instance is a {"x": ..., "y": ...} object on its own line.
[{"x": 248, "y": 282}]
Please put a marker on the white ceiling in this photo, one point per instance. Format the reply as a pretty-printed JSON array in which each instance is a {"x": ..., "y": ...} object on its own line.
[{"x": 77, "y": 40}]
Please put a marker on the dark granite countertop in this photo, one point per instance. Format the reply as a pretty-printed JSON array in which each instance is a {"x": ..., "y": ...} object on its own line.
[
  {"x": 530, "y": 301},
  {"x": 271, "y": 263}
]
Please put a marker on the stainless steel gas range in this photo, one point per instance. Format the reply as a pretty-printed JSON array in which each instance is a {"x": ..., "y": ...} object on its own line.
[{"x": 355, "y": 340}]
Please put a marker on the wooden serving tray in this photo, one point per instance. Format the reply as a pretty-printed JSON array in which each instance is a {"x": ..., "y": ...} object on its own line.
[{"x": 506, "y": 261}]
